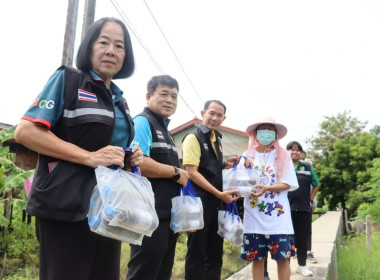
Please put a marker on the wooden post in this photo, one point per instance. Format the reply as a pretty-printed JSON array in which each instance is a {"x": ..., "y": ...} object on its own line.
[
  {"x": 71, "y": 25},
  {"x": 346, "y": 222},
  {"x": 368, "y": 233},
  {"x": 7, "y": 214},
  {"x": 88, "y": 16}
]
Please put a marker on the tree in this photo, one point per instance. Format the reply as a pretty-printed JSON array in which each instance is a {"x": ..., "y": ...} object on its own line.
[
  {"x": 342, "y": 155},
  {"x": 342, "y": 126},
  {"x": 375, "y": 130},
  {"x": 372, "y": 207},
  {"x": 346, "y": 171}
]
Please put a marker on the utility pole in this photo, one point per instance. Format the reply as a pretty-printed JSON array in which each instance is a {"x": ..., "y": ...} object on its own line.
[
  {"x": 71, "y": 25},
  {"x": 88, "y": 16}
]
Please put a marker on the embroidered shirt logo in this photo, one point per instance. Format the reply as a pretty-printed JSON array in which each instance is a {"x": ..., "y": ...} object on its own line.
[
  {"x": 159, "y": 134},
  {"x": 86, "y": 96},
  {"x": 205, "y": 146},
  {"x": 48, "y": 104}
]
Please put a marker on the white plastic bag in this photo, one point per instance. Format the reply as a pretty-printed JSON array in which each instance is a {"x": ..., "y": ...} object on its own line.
[
  {"x": 230, "y": 225},
  {"x": 100, "y": 225},
  {"x": 239, "y": 178},
  {"x": 122, "y": 204},
  {"x": 187, "y": 210}
]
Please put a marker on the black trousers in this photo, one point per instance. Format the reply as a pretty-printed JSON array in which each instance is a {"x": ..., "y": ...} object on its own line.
[
  {"x": 302, "y": 228},
  {"x": 204, "y": 256},
  {"x": 310, "y": 233},
  {"x": 70, "y": 250},
  {"x": 154, "y": 259}
]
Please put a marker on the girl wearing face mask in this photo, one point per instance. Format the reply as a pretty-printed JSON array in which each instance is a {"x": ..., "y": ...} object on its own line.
[{"x": 267, "y": 217}]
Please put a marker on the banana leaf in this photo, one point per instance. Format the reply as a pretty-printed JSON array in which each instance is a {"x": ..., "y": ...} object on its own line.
[
  {"x": 14, "y": 181},
  {"x": 7, "y": 133}
]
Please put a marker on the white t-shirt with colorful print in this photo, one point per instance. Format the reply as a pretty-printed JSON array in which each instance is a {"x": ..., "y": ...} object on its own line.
[{"x": 269, "y": 213}]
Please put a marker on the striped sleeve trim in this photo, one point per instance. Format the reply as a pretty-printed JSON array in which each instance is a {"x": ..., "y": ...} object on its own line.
[{"x": 44, "y": 122}]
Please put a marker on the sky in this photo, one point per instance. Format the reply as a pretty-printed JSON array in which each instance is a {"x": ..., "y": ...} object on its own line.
[{"x": 297, "y": 61}]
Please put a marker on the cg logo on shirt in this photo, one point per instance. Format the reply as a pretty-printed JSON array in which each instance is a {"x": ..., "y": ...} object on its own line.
[{"x": 48, "y": 104}]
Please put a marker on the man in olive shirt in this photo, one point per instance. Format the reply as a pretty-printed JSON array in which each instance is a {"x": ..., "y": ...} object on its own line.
[{"x": 203, "y": 159}]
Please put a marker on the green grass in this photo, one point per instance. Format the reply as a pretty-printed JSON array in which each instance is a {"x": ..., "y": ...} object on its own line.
[
  {"x": 354, "y": 263},
  {"x": 231, "y": 262},
  {"x": 17, "y": 270},
  {"x": 314, "y": 217},
  {"x": 231, "y": 259}
]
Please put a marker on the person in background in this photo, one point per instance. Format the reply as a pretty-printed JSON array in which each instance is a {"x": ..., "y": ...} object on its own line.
[
  {"x": 267, "y": 218},
  {"x": 79, "y": 121},
  {"x": 303, "y": 156},
  {"x": 203, "y": 159},
  {"x": 300, "y": 203},
  {"x": 154, "y": 259},
  {"x": 310, "y": 256}
]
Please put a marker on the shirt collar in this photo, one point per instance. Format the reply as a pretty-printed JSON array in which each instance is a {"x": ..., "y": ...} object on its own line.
[
  {"x": 206, "y": 130},
  {"x": 213, "y": 137},
  {"x": 115, "y": 89},
  {"x": 296, "y": 167},
  {"x": 166, "y": 121}
]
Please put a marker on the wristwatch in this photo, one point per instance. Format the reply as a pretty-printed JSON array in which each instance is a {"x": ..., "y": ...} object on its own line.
[{"x": 177, "y": 174}]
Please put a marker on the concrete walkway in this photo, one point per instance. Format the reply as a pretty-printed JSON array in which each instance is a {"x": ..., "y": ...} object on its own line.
[{"x": 327, "y": 231}]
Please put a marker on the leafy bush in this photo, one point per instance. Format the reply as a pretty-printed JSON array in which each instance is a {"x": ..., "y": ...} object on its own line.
[
  {"x": 16, "y": 249},
  {"x": 374, "y": 211},
  {"x": 22, "y": 251}
]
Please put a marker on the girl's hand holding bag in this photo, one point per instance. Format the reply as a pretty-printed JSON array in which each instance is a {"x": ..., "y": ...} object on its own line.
[
  {"x": 230, "y": 225},
  {"x": 187, "y": 210}
]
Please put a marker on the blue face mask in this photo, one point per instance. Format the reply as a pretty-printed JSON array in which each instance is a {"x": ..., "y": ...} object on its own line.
[{"x": 265, "y": 137}]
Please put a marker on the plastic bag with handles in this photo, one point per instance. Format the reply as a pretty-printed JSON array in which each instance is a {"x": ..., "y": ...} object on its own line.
[
  {"x": 230, "y": 225},
  {"x": 187, "y": 210}
]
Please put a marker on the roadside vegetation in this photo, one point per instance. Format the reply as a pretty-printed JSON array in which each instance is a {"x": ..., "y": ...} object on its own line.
[{"x": 354, "y": 263}]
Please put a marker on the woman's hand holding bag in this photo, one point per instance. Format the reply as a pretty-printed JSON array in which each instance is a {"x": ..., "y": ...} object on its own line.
[
  {"x": 101, "y": 226},
  {"x": 122, "y": 204}
]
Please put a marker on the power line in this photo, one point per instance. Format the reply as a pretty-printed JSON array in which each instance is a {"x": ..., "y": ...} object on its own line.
[
  {"x": 128, "y": 23},
  {"x": 182, "y": 68},
  {"x": 175, "y": 55},
  {"x": 130, "y": 26}
]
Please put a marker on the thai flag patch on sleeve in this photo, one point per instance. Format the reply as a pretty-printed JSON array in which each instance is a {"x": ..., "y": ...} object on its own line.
[
  {"x": 86, "y": 96},
  {"x": 159, "y": 134}
]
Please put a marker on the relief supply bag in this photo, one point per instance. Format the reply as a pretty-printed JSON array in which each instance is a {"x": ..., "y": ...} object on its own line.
[
  {"x": 230, "y": 225},
  {"x": 239, "y": 178},
  {"x": 122, "y": 205},
  {"x": 187, "y": 210},
  {"x": 100, "y": 226}
]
